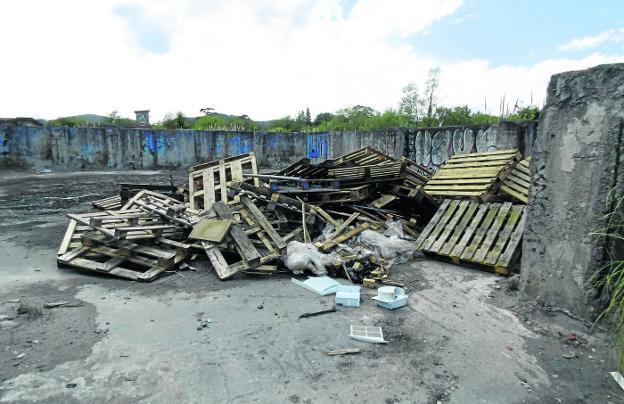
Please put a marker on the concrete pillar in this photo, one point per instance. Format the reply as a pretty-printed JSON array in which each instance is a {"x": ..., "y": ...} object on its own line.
[{"x": 576, "y": 161}]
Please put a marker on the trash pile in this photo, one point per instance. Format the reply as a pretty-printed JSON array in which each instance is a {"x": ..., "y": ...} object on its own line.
[{"x": 352, "y": 217}]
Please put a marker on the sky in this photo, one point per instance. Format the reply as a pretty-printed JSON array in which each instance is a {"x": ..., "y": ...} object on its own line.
[{"x": 268, "y": 59}]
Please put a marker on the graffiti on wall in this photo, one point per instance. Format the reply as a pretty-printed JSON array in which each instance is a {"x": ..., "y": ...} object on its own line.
[
  {"x": 317, "y": 146},
  {"x": 432, "y": 147}
]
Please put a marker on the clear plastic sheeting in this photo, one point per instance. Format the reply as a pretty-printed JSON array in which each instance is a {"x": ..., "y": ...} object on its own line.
[
  {"x": 392, "y": 249},
  {"x": 302, "y": 256},
  {"x": 394, "y": 228}
]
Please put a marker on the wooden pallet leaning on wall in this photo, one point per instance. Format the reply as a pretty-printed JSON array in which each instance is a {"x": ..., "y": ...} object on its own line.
[
  {"x": 482, "y": 233},
  {"x": 475, "y": 175},
  {"x": 208, "y": 181},
  {"x": 517, "y": 183}
]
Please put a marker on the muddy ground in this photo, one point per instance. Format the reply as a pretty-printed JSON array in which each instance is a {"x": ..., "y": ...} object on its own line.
[{"x": 462, "y": 339}]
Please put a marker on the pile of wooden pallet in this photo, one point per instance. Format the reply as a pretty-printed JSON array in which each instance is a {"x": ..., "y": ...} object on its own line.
[{"x": 242, "y": 221}]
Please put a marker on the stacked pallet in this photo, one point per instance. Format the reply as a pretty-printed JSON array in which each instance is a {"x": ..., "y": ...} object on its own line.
[{"x": 475, "y": 175}]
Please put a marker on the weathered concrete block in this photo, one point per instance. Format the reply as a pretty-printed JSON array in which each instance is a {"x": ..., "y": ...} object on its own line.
[{"x": 576, "y": 161}]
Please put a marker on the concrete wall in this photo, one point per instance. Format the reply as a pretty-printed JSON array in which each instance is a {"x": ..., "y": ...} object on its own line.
[
  {"x": 431, "y": 147},
  {"x": 576, "y": 160},
  {"x": 123, "y": 148}
]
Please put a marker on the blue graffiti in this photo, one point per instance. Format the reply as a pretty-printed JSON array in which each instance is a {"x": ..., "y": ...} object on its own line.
[
  {"x": 153, "y": 142},
  {"x": 239, "y": 146},
  {"x": 317, "y": 146}
]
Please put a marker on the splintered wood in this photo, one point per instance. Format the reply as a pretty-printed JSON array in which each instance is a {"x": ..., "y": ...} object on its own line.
[{"x": 483, "y": 233}]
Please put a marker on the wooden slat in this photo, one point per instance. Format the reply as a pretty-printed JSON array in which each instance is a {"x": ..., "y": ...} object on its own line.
[
  {"x": 448, "y": 246},
  {"x": 508, "y": 253},
  {"x": 492, "y": 233},
  {"x": 449, "y": 227},
  {"x": 481, "y": 232},
  {"x": 243, "y": 243},
  {"x": 514, "y": 216},
  {"x": 432, "y": 224},
  {"x": 472, "y": 227},
  {"x": 263, "y": 222},
  {"x": 445, "y": 218}
]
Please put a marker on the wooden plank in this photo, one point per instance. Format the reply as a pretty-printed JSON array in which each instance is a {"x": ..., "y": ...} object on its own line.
[
  {"x": 220, "y": 265},
  {"x": 445, "y": 218},
  {"x": 243, "y": 243},
  {"x": 442, "y": 181},
  {"x": 490, "y": 153},
  {"x": 337, "y": 231},
  {"x": 514, "y": 216},
  {"x": 448, "y": 187},
  {"x": 518, "y": 195},
  {"x": 449, "y": 227},
  {"x": 492, "y": 233},
  {"x": 476, "y": 164},
  {"x": 508, "y": 253},
  {"x": 69, "y": 233},
  {"x": 470, "y": 250},
  {"x": 472, "y": 227},
  {"x": 263, "y": 222},
  {"x": 454, "y": 193},
  {"x": 432, "y": 224},
  {"x": 459, "y": 229}
]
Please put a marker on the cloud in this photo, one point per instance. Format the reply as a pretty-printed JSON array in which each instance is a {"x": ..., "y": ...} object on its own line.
[
  {"x": 591, "y": 42},
  {"x": 264, "y": 59}
]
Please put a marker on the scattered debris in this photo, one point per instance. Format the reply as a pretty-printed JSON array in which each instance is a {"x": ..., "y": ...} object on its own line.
[
  {"x": 322, "y": 285},
  {"x": 51, "y": 305},
  {"x": 345, "y": 351},
  {"x": 367, "y": 334},
  {"x": 30, "y": 310},
  {"x": 391, "y": 297},
  {"x": 348, "y": 295},
  {"x": 318, "y": 313}
]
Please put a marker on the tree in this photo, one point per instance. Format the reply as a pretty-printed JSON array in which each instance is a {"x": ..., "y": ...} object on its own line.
[
  {"x": 322, "y": 118},
  {"x": 411, "y": 105},
  {"x": 308, "y": 118},
  {"x": 459, "y": 115},
  {"x": 431, "y": 87},
  {"x": 112, "y": 117}
]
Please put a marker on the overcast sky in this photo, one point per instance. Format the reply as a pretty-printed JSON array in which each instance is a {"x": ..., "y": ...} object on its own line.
[{"x": 272, "y": 58}]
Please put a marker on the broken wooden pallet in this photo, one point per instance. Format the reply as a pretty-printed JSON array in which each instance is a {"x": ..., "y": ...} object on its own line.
[
  {"x": 368, "y": 173},
  {"x": 305, "y": 169},
  {"x": 255, "y": 240},
  {"x": 208, "y": 182},
  {"x": 487, "y": 234},
  {"x": 124, "y": 258},
  {"x": 476, "y": 175},
  {"x": 517, "y": 183}
]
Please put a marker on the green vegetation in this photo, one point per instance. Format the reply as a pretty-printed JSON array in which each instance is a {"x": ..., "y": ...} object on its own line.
[
  {"x": 415, "y": 110},
  {"x": 609, "y": 279}
]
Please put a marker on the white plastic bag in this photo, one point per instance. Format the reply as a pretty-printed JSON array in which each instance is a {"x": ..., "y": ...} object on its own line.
[
  {"x": 302, "y": 256},
  {"x": 392, "y": 249}
]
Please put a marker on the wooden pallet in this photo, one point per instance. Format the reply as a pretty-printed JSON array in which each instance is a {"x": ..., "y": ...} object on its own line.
[
  {"x": 304, "y": 169},
  {"x": 208, "y": 182},
  {"x": 415, "y": 174},
  {"x": 517, "y": 183},
  {"x": 475, "y": 175},
  {"x": 163, "y": 206},
  {"x": 487, "y": 234},
  {"x": 110, "y": 203},
  {"x": 368, "y": 173},
  {"x": 255, "y": 240},
  {"x": 124, "y": 258},
  {"x": 362, "y": 157},
  {"x": 354, "y": 194}
]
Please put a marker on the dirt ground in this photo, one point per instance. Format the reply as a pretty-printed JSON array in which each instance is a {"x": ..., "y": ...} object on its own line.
[{"x": 189, "y": 337}]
